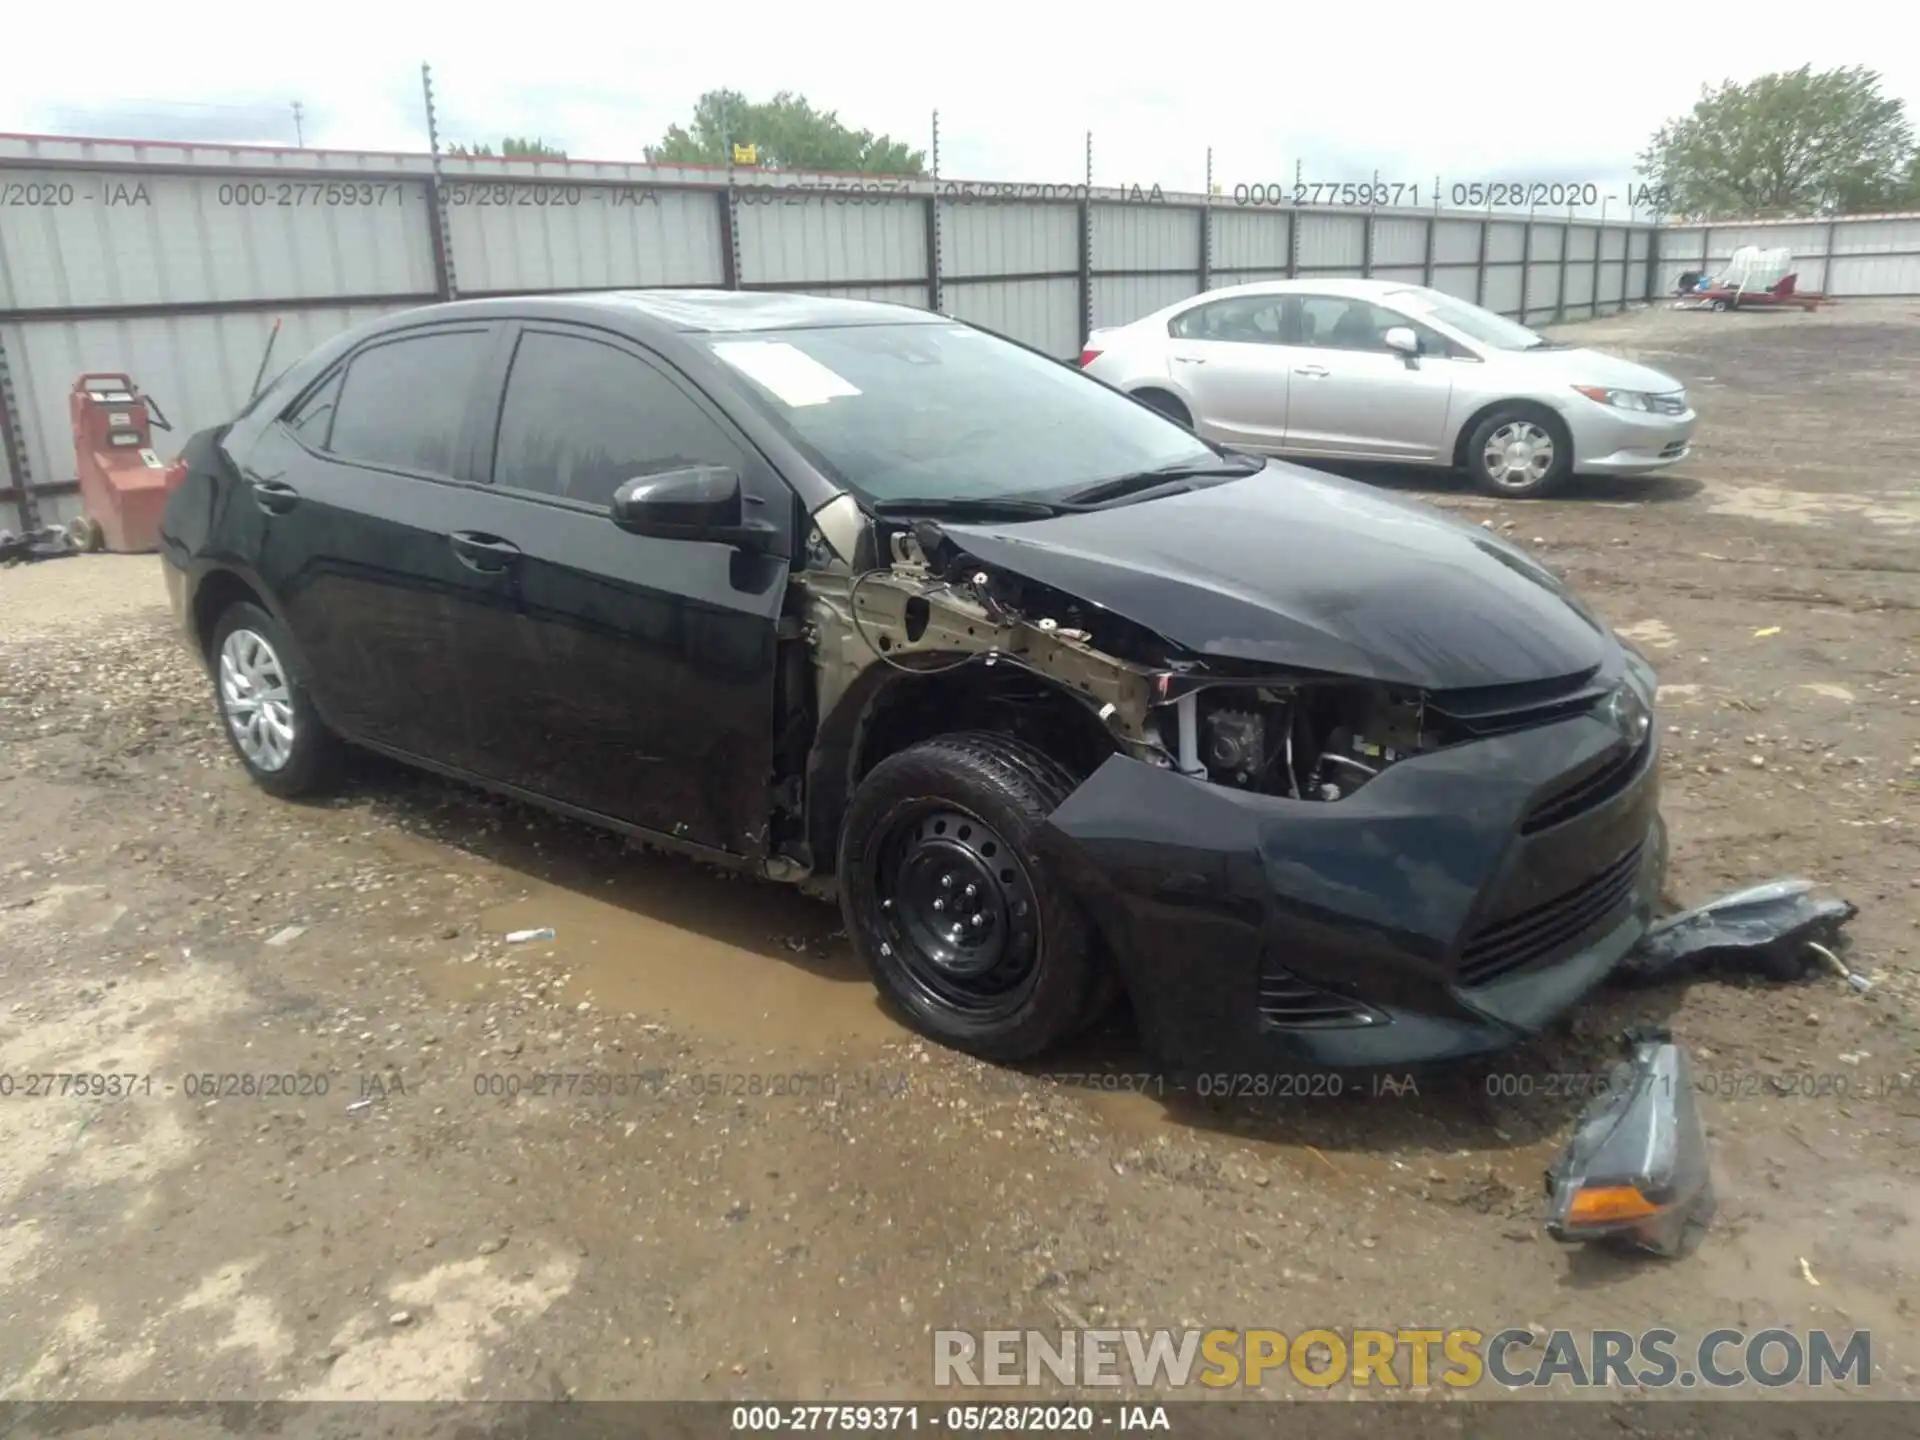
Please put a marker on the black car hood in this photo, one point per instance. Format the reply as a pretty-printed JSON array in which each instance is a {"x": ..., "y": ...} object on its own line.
[{"x": 1301, "y": 569}]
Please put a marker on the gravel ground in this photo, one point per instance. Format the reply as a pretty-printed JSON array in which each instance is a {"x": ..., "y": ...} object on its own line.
[{"x": 390, "y": 1221}]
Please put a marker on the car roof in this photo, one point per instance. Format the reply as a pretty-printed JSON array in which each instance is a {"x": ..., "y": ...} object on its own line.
[
  {"x": 1346, "y": 285},
  {"x": 690, "y": 312}
]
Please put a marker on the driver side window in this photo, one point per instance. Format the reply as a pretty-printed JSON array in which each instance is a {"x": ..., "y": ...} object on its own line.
[{"x": 582, "y": 418}]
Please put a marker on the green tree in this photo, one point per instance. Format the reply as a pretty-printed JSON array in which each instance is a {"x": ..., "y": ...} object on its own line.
[
  {"x": 789, "y": 135},
  {"x": 1796, "y": 142},
  {"x": 514, "y": 147}
]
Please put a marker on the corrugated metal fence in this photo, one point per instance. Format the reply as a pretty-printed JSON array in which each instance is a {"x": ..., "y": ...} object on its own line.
[{"x": 171, "y": 262}]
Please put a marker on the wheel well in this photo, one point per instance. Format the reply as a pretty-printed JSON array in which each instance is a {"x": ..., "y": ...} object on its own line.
[
  {"x": 218, "y": 591},
  {"x": 1533, "y": 409},
  {"x": 900, "y": 709},
  {"x": 1160, "y": 392}
]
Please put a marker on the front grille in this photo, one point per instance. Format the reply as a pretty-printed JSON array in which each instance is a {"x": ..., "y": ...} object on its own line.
[
  {"x": 1594, "y": 788},
  {"x": 1506, "y": 945},
  {"x": 1287, "y": 1000},
  {"x": 1674, "y": 404}
]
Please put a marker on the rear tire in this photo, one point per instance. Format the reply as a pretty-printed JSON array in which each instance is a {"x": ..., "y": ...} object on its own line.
[
  {"x": 264, "y": 708},
  {"x": 961, "y": 924},
  {"x": 1167, "y": 405},
  {"x": 1519, "y": 452}
]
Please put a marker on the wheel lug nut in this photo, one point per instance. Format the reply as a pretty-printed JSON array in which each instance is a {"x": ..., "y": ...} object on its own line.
[
  {"x": 970, "y": 891},
  {"x": 977, "y": 920},
  {"x": 946, "y": 882},
  {"x": 939, "y": 904}
]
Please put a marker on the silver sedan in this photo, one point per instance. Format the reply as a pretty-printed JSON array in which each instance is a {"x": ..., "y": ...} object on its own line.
[{"x": 1382, "y": 370}]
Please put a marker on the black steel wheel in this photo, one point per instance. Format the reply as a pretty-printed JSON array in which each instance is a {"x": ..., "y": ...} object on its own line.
[{"x": 954, "y": 913}]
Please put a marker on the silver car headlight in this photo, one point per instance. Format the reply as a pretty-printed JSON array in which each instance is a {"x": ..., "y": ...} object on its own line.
[{"x": 1618, "y": 399}]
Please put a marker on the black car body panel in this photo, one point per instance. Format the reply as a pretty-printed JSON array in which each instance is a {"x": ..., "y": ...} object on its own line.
[
  {"x": 1450, "y": 905},
  {"x": 1267, "y": 569}
]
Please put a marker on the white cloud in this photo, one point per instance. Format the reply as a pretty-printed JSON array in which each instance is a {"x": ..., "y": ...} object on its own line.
[{"x": 1466, "y": 91}]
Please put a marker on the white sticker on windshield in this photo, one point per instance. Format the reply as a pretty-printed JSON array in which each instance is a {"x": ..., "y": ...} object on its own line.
[{"x": 794, "y": 377}]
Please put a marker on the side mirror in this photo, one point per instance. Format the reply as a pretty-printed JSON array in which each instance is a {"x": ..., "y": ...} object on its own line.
[
  {"x": 701, "y": 502},
  {"x": 1402, "y": 339}
]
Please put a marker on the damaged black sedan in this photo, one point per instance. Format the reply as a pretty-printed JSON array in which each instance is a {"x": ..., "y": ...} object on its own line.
[{"x": 1063, "y": 703}]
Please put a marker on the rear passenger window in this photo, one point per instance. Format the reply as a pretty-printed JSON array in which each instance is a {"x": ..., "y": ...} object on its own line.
[
  {"x": 581, "y": 419},
  {"x": 403, "y": 402}
]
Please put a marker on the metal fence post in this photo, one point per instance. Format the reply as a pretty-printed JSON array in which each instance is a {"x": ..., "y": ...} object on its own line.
[
  {"x": 13, "y": 442},
  {"x": 934, "y": 297},
  {"x": 1206, "y": 230},
  {"x": 446, "y": 282},
  {"x": 1086, "y": 250},
  {"x": 1566, "y": 258},
  {"x": 1826, "y": 267},
  {"x": 1426, "y": 258},
  {"x": 1480, "y": 268},
  {"x": 1526, "y": 266}
]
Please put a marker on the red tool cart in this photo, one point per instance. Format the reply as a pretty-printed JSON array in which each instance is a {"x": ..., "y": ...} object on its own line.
[{"x": 123, "y": 484}]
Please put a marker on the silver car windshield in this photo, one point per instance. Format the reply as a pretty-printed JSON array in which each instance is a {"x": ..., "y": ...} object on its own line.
[{"x": 1483, "y": 326}]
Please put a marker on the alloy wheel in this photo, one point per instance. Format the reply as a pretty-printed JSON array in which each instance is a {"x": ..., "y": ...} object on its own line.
[{"x": 257, "y": 700}]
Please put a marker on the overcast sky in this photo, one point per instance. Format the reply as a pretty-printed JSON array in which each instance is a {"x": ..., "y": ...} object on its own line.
[{"x": 1468, "y": 91}]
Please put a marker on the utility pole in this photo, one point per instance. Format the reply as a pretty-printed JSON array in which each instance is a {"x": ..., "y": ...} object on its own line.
[{"x": 299, "y": 132}]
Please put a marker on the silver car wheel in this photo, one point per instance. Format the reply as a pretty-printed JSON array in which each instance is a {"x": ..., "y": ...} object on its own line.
[
  {"x": 1518, "y": 455},
  {"x": 256, "y": 699}
]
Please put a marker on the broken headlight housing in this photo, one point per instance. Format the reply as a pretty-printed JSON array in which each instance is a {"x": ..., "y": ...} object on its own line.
[{"x": 1316, "y": 740}]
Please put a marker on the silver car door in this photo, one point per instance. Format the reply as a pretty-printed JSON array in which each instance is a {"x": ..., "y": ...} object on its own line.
[
  {"x": 1226, "y": 356},
  {"x": 1352, "y": 396}
]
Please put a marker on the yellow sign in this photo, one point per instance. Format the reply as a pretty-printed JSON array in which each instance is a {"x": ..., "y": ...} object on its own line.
[{"x": 746, "y": 154}]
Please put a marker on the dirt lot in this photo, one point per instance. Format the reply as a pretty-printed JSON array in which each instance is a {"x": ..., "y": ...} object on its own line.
[{"x": 407, "y": 1233}]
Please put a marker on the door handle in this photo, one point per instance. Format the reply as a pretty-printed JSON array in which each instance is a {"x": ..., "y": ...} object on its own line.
[
  {"x": 1189, "y": 360},
  {"x": 478, "y": 551},
  {"x": 274, "y": 496},
  {"x": 1315, "y": 370}
]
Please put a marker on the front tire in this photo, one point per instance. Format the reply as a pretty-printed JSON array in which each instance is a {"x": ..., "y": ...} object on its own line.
[
  {"x": 961, "y": 924},
  {"x": 1519, "y": 453},
  {"x": 265, "y": 710}
]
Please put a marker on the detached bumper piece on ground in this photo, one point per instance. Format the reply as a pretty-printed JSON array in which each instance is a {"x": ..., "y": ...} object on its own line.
[
  {"x": 1778, "y": 930},
  {"x": 1635, "y": 1173}
]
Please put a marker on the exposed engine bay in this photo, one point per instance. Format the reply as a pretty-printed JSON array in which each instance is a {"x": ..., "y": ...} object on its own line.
[
  {"x": 1310, "y": 741},
  {"x": 931, "y": 608}
]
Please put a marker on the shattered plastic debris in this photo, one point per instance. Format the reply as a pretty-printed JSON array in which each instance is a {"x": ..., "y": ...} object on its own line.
[
  {"x": 50, "y": 542},
  {"x": 522, "y": 937},
  {"x": 1777, "y": 930},
  {"x": 1635, "y": 1173},
  {"x": 282, "y": 938}
]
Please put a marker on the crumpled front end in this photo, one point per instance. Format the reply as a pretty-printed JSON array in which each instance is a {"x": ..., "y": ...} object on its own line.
[{"x": 1451, "y": 905}]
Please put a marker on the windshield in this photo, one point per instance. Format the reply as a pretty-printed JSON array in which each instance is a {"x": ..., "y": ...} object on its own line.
[
  {"x": 947, "y": 412},
  {"x": 1470, "y": 320}
]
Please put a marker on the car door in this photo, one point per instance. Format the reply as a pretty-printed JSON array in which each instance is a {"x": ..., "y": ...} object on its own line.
[
  {"x": 651, "y": 699},
  {"x": 354, "y": 492},
  {"x": 1224, "y": 354},
  {"x": 1352, "y": 396}
]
